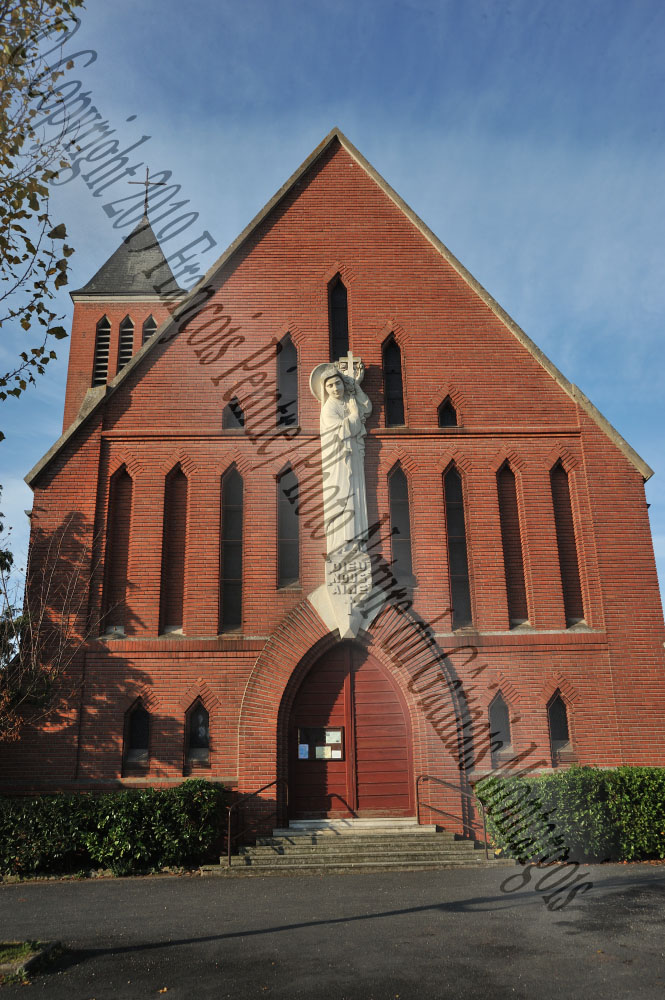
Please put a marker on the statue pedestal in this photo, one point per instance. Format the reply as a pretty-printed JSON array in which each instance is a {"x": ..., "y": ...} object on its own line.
[{"x": 347, "y": 600}]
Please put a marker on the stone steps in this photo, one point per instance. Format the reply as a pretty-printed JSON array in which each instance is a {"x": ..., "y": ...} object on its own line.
[
  {"x": 290, "y": 849},
  {"x": 300, "y": 868},
  {"x": 332, "y": 847}
]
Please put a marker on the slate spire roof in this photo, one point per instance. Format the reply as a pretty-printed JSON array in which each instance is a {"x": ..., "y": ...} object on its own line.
[{"x": 138, "y": 267}]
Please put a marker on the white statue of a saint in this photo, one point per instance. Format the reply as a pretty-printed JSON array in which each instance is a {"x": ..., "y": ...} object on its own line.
[{"x": 344, "y": 409}]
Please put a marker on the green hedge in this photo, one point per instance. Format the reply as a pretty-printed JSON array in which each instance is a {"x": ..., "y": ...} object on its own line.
[
  {"x": 127, "y": 831},
  {"x": 582, "y": 813}
]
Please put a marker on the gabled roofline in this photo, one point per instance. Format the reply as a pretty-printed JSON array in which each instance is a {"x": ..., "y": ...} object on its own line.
[{"x": 187, "y": 304}]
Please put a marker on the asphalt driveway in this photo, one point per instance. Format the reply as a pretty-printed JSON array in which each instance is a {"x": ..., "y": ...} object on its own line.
[{"x": 405, "y": 935}]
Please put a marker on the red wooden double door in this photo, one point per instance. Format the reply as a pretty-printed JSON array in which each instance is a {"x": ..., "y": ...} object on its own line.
[{"x": 349, "y": 740}]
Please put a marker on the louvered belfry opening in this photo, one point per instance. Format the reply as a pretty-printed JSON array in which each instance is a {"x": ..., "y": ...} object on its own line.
[
  {"x": 287, "y": 383},
  {"x": 338, "y": 319},
  {"x": 149, "y": 327},
  {"x": 231, "y": 552},
  {"x": 288, "y": 529},
  {"x": 400, "y": 525},
  {"x": 126, "y": 342},
  {"x": 174, "y": 546},
  {"x": 511, "y": 540},
  {"x": 100, "y": 369},
  {"x": 117, "y": 549},
  {"x": 393, "y": 389},
  {"x": 460, "y": 593},
  {"x": 566, "y": 545}
]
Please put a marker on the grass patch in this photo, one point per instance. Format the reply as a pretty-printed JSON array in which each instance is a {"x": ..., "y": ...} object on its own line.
[{"x": 12, "y": 951}]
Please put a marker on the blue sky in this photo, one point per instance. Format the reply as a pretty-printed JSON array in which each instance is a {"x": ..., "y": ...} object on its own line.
[{"x": 529, "y": 136}]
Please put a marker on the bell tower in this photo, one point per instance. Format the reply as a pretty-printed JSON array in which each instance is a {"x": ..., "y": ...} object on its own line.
[{"x": 116, "y": 312}]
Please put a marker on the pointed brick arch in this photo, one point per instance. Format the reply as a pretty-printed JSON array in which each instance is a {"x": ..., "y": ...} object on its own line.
[
  {"x": 448, "y": 390},
  {"x": 560, "y": 454},
  {"x": 511, "y": 458},
  {"x": 346, "y": 273},
  {"x": 178, "y": 458},
  {"x": 390, "y": 458},
  {"x": 199, "y": 690},
  {"x": 236, "y": 459},
  {"x": 459, "y": 459},
  {"x": 130, "y": 462},
  {"x": 145, "y": 695},
  {"x": 558, "y": 681},
  {"x": 297, "y": 334},
  {"x": 394, "y": 639},
  {"x": 398, "y": 331}
]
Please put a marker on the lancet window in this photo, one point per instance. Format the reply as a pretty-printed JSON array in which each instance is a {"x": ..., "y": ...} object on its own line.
[
  {"x": 511, "y": 540},
  {"x": 231, "y": 551},
  {"x": 447, "y": 413},
  {"x": 566, "y": 545},
  {"x": 338, "y": 319},
  {"x": 288, "y": 529},
  {"x": 174, "y": 544},
  {"x": 499, "y": 719},
  {"x": 557, "y": 716},
  {"x": 400, "y": 524},
  {"x": 197, "y": 729},
  {"x": 287, "y": 383},
  {"x": 117, "y": 549},
  {"x": 137, "y": 735},
  {"x": 460, "y": 594},
  {"x": 233, "y": 416},
  {"x": 393, "y": 389}
]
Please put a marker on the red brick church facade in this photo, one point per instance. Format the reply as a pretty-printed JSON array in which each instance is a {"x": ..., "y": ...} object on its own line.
[{"x": 522, "y": 627}]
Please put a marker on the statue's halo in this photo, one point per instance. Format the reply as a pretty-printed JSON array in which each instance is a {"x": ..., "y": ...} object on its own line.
[{"x": 318, "y": 377}]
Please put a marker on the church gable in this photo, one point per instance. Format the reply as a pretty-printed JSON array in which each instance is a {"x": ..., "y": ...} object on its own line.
[{"x": 336, "y": 217}]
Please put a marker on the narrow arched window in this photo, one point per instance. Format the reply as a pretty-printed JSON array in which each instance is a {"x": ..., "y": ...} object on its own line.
[
  {"x": 511, "y": 540},
  {"x": 117, "y": 550},
  {"x": 392, "y": 383},
  {"x": 557, "y": 716},
  {"x": 566, "y": 545},
  {"x": 137, "y": 735},
  {"x": 287, "y": 383},
  {"x": 126, "y": 342},
  {"x": 460, "y": 595},
  {"x": 233, "y": 416},
  {"x": 447, "y": 414},
  {"x": 174, "y": 545},
  {"x": 149, "y": 327},
  {"x": 288, "y": 530},
  {"x": 400, "y": 526},
  {"x": 100, "y": 368},
  {"x": 198, "y": 734},
  {"x": 338, "y": 319},
  {"x": 499, "y": 719},
  {"x": 231, "y": 551}
]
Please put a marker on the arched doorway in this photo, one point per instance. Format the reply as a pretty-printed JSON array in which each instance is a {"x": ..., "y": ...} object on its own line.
[{"x": 349, "y": 740}]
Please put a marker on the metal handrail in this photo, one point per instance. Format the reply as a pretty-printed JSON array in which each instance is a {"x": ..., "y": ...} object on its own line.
[
  {"x": 238, "y": 802},
  {"x": 473, "y": 799}
]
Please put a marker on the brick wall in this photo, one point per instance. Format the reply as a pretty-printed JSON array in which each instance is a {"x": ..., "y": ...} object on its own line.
[{"x": 169, "y": 411}]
